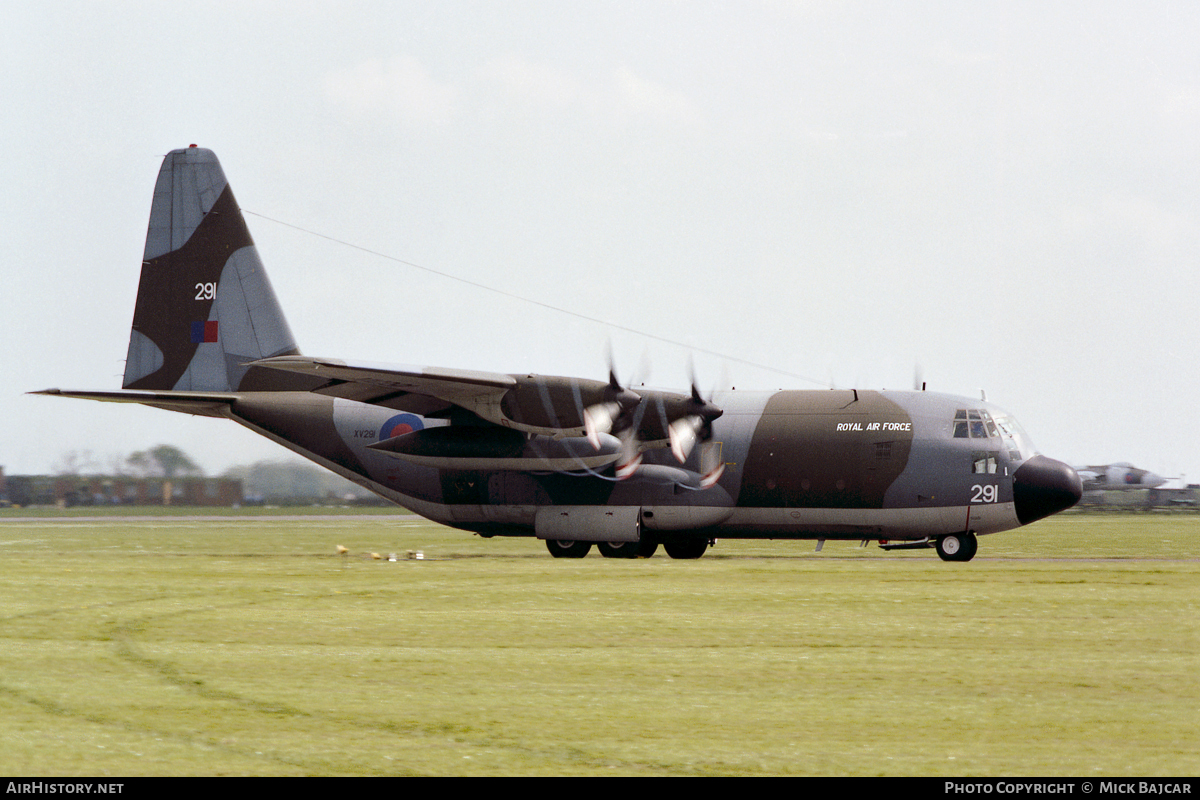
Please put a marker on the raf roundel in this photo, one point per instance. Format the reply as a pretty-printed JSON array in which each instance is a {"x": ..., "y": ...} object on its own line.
[{"x": 400, "y": 425}]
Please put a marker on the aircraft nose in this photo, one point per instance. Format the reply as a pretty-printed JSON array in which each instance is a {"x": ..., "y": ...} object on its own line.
[
  {"x": 1152, "y": 481},
  {"x": 1043, "y": 486}
]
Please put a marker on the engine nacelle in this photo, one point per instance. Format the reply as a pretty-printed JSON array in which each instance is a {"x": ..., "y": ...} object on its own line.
[{"x": 496, "y": 448}]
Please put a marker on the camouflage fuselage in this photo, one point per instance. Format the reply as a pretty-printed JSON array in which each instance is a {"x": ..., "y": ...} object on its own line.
[{"x": 798, "y": 464}]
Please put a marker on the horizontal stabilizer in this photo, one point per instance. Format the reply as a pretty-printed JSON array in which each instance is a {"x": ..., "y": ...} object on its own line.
[{"x": 207, "y": 404}]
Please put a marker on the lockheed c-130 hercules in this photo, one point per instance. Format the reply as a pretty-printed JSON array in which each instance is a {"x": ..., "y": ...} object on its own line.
[{"x": 572, "y": 461}]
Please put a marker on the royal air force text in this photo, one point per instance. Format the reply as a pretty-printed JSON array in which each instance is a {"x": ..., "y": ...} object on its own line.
[{"x": 874, "y": 426}]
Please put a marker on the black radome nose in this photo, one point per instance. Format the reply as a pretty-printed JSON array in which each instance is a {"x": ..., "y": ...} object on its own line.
[{"x": 1043, "y": 486}]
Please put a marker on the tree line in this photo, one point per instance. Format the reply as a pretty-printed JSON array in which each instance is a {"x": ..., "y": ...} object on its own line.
[{"x": 289, "y": 478}]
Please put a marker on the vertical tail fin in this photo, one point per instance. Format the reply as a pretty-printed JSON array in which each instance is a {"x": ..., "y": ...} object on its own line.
[{"x": 205, "y": 306}]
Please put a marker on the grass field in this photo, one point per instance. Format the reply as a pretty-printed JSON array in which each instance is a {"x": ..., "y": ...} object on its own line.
[{"x": 249, "y": 647}]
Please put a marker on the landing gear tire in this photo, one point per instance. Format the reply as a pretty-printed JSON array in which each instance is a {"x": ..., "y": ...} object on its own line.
[
  {"x": 564, "y": 548},
  {"x": 957, "y": 547},
  {"x": 971, "y": 545},
  {"x": 618, "y": 549},
  {"x": 647, "y": 546},
  {"x": 686, "y": 548}
]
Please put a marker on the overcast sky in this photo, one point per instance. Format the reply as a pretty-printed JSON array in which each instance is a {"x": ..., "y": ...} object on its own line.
[{"x": 1003, "y": 195}]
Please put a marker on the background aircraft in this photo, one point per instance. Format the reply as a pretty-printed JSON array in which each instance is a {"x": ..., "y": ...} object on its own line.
[
  {"x": 573, "y": 461},
  {"x": 1121, "y": 476}
]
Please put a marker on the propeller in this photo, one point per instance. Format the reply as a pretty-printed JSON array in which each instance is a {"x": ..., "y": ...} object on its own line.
[
  {"x": 712, "y": 466},
  {"x": 696, "y": 425},
  {"x": 614, "y": 414},
  {"x": 683, "y": 434},
  {"x": 599, "y": 419},
  {"x": 682, "y": 421},
  {"x": 611, "y": 412},
  {"x": 630, "y": 457}
]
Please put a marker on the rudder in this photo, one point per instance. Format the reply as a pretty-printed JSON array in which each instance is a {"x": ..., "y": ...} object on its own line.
[{"x": 205, "y": 306}]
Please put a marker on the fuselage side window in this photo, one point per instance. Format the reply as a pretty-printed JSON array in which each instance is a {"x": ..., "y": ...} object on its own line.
[{"x": 984, "y": 463}]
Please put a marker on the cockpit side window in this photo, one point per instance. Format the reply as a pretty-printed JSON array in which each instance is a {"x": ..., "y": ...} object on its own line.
[
  {"x": 1012, "y": 435},
  {"x": 960, "y": 424},
  {"x": 976, "y": 425}
]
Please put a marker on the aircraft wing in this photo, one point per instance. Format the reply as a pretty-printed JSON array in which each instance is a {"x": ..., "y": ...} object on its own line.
[
  {"x": 421, "y": 390},
  {"x": 559, "y": 407},
  {"x": 535, "y": 404}
]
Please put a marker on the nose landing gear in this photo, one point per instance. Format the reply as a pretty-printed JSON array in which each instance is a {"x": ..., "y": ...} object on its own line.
[{"x": 957, "y": 546}]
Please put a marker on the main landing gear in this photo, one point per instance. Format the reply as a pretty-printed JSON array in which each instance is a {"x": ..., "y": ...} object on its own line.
[
  {"x": 618, "y": 549},
  {"x": 686, "y": 548},
  {"x": 678, "y": 548},
  {"x": 562, "y": 548},
  {"x": 957, "y": 546}
]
